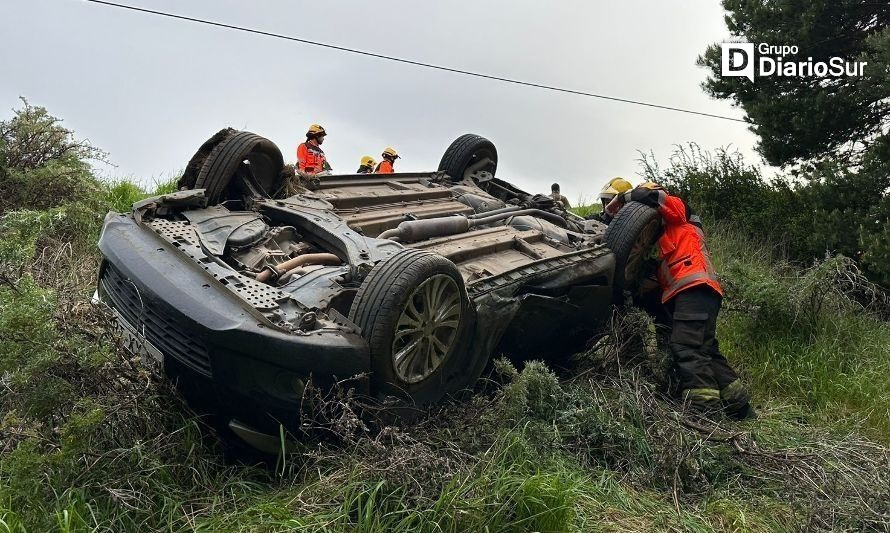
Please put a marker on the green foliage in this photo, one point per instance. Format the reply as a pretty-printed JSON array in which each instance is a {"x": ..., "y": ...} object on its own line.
[
  {"x": 534, "y": 393},
  {"x": 584, "y": 208},
  {"x": 26, "y": 319},
  {"x": 165, "y": 187},
  {"x": 720, "y": 185},
  {"x": 807, "y": 118},
  {"x": 121, "y": 195},
  {"x": 92, "y": 441},
  {"x": 837, "y": 200},
  {"x": 43, "y": 165}
]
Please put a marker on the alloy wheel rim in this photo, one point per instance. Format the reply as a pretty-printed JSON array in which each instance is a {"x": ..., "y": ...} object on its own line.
[{"x": 427, "y": 328}]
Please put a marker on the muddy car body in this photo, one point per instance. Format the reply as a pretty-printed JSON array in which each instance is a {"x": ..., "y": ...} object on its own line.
[{"x": 249, "y": 283}]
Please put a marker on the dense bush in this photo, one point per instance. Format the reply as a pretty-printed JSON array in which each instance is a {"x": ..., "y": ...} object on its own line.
[
  {"x": 819, "y": 209},
  {"x": 42, "y": 165}
]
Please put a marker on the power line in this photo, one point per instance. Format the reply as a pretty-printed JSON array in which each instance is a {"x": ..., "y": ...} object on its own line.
[{"x": 411, "y": 62}]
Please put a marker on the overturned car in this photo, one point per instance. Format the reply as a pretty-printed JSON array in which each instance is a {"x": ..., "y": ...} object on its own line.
[{"x": 251, "y": 281}]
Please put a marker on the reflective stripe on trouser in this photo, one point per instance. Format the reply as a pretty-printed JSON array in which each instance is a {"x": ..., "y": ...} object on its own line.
[
  {"x": 701, "y": 394},
  {"x": 703, "y": 399},
  {"x": 673, "y": 286},
  {"x": 697, "y": 358}
]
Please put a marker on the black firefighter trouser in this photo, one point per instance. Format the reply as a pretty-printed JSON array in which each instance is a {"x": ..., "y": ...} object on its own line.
[{"x": 705, "y": 377}]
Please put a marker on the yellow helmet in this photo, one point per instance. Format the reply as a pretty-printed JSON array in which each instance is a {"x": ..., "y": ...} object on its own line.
[
  {"x": 391, "y": 152},
  {"x": 614, "y": 187},
  {"x": 315, "y": 129},
  {"x": 651, "y": 185},
  {"x": 368, "y": 161}
]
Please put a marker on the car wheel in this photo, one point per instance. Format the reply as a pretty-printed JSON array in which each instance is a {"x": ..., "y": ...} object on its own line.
[
  {"x": 414, "y": 312},
  {"x": 190, "y": 174},
  {"x": 245, "y": 151},
  {"x": 630, "y": 236},
  {"x": 469, "y": 152}
]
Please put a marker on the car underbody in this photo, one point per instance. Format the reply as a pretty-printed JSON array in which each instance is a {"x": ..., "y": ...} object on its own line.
[{"x": 401, "y": 285}]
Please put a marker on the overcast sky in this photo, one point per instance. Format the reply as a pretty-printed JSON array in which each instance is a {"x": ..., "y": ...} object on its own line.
[{"x": 150, "y": 90}]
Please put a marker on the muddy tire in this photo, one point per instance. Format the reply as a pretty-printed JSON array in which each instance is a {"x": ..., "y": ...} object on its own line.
[
  {"x": 241, "y": 152},
  {"x": 414, "y": 312},
  {"x": 631, "y": 236},
  {"x": 190, "y": 174},
  {"x": 465, "y": 152}
]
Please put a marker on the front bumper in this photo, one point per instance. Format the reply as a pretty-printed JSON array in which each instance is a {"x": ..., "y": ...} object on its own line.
[{"x": 219, "y": 356}]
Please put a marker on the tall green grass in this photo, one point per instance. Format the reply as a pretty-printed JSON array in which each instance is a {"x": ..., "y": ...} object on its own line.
[
  {"x": 803, "y": 339},
  {"x": 91, "y": 443},
  {"x": 584, "y": 207},
  {"x": 121, "y": 194}
]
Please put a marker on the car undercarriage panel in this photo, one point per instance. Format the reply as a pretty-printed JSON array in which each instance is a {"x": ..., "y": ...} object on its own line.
[
  {"x": 250, "y": 295},
  {"x": 374, "y": 203}
]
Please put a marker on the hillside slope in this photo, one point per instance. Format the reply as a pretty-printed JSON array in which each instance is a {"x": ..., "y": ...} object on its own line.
[{"x": 91, "y": 441}]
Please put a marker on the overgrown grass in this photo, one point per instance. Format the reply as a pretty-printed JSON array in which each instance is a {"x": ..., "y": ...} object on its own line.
[
  {"x": 121, "y": 194},
  {"x": 805, "y": 337},
  {"x": 92, "y": 441}
]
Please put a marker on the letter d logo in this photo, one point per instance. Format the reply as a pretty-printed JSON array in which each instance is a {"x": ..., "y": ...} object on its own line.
[{"x": 737, "y": 59}]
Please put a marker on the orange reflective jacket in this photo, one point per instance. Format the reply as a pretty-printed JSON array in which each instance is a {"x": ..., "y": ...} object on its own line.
[
  {"x": 384, "y": 167},
  {"x": 684, "y": 259},
  {"x": 310, "y": 158}
]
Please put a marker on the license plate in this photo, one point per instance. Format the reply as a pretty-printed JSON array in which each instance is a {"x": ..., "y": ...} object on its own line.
[{"x": 137, "y": 344}]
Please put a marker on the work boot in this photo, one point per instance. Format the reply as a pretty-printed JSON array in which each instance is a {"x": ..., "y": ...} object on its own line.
[{"x": 736, "y": 402}]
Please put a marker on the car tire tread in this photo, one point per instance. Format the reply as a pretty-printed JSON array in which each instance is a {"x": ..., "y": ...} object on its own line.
[
  {"x": 225, "y": 158},
  {"x": 457, "y": 156},
  {"x": 621, "y": 235}
]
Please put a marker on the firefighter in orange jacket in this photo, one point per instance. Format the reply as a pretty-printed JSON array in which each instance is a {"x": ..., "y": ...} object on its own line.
[
  {"x": 310, "y": 156},
  {"x": 389, "y": 159},
  {"x": 692, "y": 295}
]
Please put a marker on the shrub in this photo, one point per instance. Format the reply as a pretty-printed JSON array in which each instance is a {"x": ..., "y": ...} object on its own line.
[{"x": 43, "y": 165}]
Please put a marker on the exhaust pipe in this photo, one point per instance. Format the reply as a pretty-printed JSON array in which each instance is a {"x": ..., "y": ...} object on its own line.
[
  {"x": 418, "y": 230},
  {"x": 272, "y": 273}
]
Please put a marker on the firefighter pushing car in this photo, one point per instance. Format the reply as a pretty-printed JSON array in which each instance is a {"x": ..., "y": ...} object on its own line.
[
  {"x": 612, "y": 188},
  {"x": 692, "y": 295}
]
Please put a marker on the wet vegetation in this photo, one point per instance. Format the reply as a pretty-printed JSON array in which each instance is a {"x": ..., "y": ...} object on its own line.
[{"x": 90, "y": 440}]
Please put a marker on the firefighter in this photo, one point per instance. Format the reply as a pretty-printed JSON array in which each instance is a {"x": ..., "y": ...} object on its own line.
[
  {"x": 389, "y": 159},
  {"x": 366, "y": 166},
  {"x": 560, "y": 199},
  {"x": 692, "y": 295},
  {"x": 613, "y": 187},
  {"x": 310, "y": 156}
]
